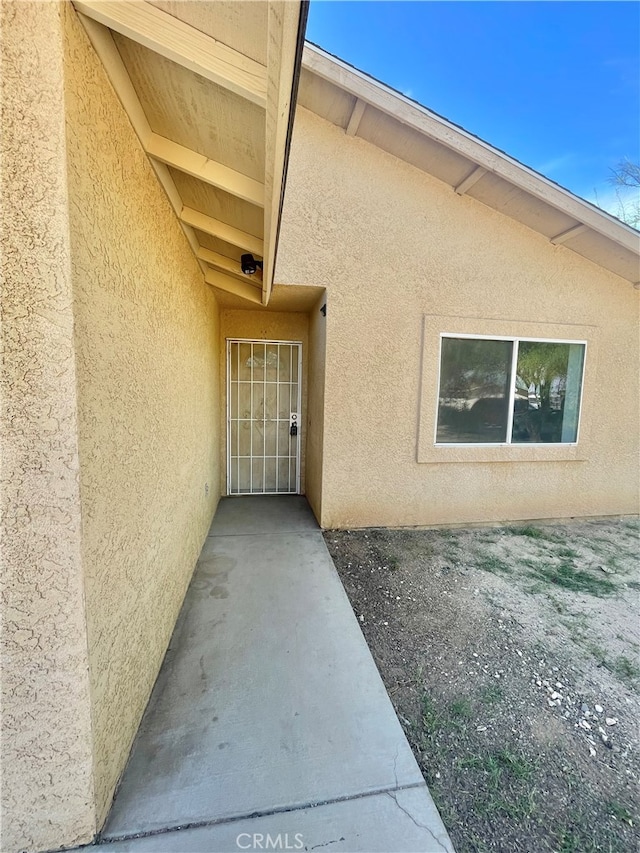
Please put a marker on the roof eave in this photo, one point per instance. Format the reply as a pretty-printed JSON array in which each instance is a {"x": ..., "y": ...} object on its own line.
[{"x": 482, "y": 157}]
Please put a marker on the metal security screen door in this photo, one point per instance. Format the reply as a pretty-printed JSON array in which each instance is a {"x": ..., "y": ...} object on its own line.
[{"x": 263, "y": 432}]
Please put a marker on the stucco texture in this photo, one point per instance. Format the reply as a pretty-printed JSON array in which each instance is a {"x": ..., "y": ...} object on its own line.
[
  {"x": 46, "y": 758},
  {"x": 146, "y": 337},
  {"x": 315, "y": 406},
  {"x": 393, "y": 246}
]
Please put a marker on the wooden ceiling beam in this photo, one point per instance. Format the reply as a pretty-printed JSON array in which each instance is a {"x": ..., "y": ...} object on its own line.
[
  {"x": 222, "y": 230},
  {"x": 561, "y": 238},
  {"x": 233, "y": 285},
  {"x": 226, "y": 265},
  {"x": 470, "y": 180},
  {"x": 270, "y": 87},
  {"x": 181, "y": 43},
  {"x": 355, "y": 118},
  {"x": 104, "y": 45},
  {"x": 211, "y": 172}
]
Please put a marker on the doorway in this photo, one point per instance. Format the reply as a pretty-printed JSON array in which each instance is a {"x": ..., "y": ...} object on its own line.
[{"x": 263, "y": 417}]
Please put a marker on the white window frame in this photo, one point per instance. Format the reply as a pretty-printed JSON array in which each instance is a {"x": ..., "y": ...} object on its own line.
[{"x": 515, "y": 340}]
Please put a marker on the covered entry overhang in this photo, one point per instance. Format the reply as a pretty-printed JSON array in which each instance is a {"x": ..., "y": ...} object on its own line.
[{"x": 210, "y": 89}]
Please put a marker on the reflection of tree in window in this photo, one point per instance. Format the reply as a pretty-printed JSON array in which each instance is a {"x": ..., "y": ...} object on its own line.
[
  {"x": 542, "y": 368},
  {"x": 476, "y": 391}
]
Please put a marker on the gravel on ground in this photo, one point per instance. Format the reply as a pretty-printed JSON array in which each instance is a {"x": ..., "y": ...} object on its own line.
[{"x": 511, "y": 655}]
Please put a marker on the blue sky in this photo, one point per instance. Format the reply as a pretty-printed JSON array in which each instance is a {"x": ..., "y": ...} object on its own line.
[{"x": 554, "y": 83}]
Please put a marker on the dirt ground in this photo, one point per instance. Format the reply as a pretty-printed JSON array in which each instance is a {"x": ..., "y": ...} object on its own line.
[{"x": 511, "y": 655}]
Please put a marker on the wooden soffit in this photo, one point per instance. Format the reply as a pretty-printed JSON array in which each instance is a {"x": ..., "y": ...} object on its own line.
[
  {"x": 364, "y": 107},
  {"x": 209, "y": 87}
]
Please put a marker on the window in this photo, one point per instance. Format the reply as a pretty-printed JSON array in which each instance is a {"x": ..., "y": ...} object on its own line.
[{"x": 509, "y": 390}]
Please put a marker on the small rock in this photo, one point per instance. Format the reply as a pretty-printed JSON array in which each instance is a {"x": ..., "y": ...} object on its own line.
[
  {"x": 592, "y": 752},
  {"x": 481, "y": 728},
  {"x": 611, "y": 721},
  {"x": 584, "y": 725},
  {"x": 584, "y": 708},
  {"x": 362, "y": 618},
  {"x": 598, "y": 709},
  {"x": 559, "y": 685},
  {"x": 555, "y": 695},
  {"x": 437, "y": 775},
  {"x": 552, "y": 704}
]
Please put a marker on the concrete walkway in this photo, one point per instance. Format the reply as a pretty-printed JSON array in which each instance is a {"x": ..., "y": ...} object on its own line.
[{"x": 269, "y": 720}]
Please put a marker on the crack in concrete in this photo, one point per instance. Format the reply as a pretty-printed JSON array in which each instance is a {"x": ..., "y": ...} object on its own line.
[
  {"x": 327, "y": 843},
  {"x": 198, "y": 824},
  {"x": 393, "y": 796},
  {"x": 395, "y": 764}
]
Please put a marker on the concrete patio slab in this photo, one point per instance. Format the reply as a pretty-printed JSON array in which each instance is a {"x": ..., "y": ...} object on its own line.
[
  {"x": 252, "y": 514},
  {"x": 402, "y": 821},
  {"x": 268, "y": 699}
]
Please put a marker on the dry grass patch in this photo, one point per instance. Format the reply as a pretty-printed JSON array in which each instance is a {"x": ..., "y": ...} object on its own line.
[{"x": 511, "y": 656}]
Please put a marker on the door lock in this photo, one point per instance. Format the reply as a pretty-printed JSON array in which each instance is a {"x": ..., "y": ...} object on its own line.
[{"x": 293, "y": 429}]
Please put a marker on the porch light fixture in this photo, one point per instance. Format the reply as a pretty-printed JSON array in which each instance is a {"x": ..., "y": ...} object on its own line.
[{"x": 249, "y": 265}]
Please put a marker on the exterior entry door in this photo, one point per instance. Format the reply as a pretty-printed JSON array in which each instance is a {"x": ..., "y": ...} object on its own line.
[{"x": 263, "y": 425}]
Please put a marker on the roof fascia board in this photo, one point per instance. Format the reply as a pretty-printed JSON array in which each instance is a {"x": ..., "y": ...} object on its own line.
[
  {"x": 481, "y": 153},
  {"x": 181, "y": 43},
  {"x": 285, "y": 30}
]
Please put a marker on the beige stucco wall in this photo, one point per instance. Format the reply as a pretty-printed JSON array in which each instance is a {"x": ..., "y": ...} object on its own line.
[
  {"x": 268, "y": 326},
  {"x": 394, "y": 246},
  {"x": 315, "y": 407},
  {"x": 46, "y": 757},
  {"x": 146, "y": 341}
]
